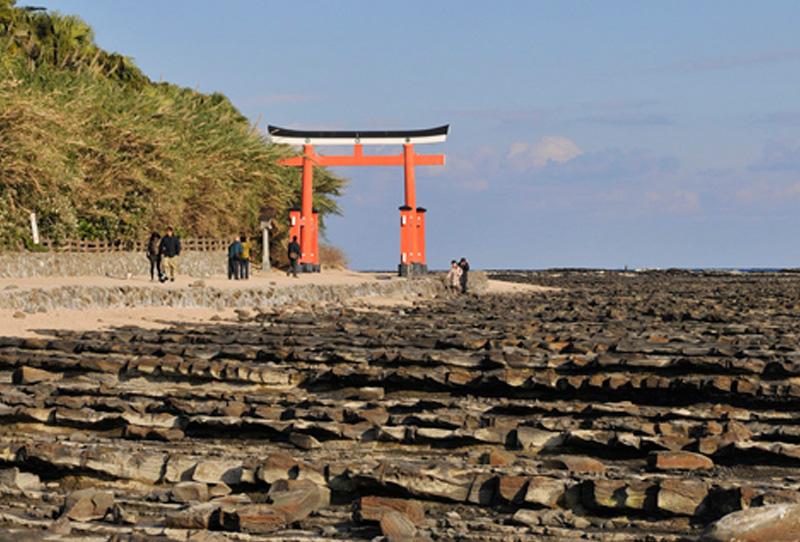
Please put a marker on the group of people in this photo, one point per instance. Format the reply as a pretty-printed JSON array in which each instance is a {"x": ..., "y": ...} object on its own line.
[
  {"x": 163, "y": 254},
  {"x": 239, "y": 258},
  {"x": 457, "y": 275}
]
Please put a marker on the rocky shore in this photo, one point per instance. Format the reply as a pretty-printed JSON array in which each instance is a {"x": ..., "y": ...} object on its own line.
[{"x": 621, "y": 407}]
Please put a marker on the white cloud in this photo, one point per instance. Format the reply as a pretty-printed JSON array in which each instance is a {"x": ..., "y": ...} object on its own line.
[{"x": 556, "y": 149}]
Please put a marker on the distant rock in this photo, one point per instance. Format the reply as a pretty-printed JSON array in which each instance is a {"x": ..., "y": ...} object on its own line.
[
  {"x": 574, "y": 463},
  {"x": 296, "y": 499},
  {"x": 397, "y": 527},
  {"x": 88, "y": 504},
  {"x": 680, "y": 461},
  {"x": 372, "y": 508},
  {"x": 15, "y": 478},
  {"x": 682, "y": 497},
  {"x": 32, "y": 375},
  {"x": 185, "y": 492},
  {"x": 304, "y": 441}
]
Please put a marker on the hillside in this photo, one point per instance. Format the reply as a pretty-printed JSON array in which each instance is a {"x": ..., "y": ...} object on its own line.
[{"x": 98, "y": 150}]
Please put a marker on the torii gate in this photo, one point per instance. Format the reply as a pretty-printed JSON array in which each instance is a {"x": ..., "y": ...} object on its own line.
[{"x": 303, "y": 221}]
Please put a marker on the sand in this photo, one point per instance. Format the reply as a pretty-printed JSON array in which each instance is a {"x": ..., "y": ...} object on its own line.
[
  {"x": 40, "y": 324},
  {"x": 503, "y": 287},
  {"x": 84, "y": 320}
]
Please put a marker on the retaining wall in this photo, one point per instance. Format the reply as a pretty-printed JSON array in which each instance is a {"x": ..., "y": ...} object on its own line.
[
  {"x": 115, "y": 264},
  {"x": 85, "y": 297}
]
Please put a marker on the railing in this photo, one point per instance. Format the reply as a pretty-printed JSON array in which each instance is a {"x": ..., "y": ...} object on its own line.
[{"x": 199, "y": 244}]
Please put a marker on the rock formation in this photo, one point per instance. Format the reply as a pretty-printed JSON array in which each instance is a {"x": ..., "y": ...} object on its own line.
[{"x": 624, "y": 407}]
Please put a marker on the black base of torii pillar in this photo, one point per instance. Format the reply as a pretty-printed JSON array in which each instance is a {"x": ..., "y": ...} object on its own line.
[{"x": 412, "y": 270}]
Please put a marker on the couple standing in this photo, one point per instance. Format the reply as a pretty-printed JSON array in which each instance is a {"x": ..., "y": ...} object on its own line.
[
  {"x": 457, "y": 275},
  {"x": 239, "y": 258},
  {"x": 163, "y": 254}
]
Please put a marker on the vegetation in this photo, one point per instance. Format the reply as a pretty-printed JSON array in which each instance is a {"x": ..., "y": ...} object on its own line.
[
  {"x": 331, "y": 257},
  {"x": 98, "y": 150}
]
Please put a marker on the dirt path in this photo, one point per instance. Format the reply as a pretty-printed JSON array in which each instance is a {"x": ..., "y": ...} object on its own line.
[{"x": 268, "y": 279}]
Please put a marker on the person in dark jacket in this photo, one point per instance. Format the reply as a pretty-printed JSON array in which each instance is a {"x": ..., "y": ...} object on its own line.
[
  {"x": 234, "y": 259},
  {"x": 154, "y": 256},
  {"x": 170, "y": 249},
  {"x": 464, "y": 265},
  {"x": 294, "y": 257}
]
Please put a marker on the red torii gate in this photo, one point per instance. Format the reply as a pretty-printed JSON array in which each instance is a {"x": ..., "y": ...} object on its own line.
[{"x": 304, "y": 222}]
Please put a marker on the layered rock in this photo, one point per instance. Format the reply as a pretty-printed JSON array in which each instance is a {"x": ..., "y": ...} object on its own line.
[{"x": 621, "y": 407}]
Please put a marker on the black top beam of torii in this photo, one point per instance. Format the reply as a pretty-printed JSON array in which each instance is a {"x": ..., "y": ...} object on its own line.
[{"x": 357, "y": 137}]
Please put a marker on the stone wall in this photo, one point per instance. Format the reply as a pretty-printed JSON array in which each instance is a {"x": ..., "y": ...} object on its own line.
[
  {"x": 113, "y": 264},
  {"x": 85, "y": 297}
]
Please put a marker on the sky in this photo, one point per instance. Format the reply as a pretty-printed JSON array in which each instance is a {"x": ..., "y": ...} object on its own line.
[{"x": 582, "y": 133}]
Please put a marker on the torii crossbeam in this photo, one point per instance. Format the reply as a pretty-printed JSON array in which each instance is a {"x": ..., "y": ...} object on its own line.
[{"x": 303, "y": 221}]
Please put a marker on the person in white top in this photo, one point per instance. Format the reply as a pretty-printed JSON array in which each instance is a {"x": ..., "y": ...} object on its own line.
[{"x": 454, "y": 276}]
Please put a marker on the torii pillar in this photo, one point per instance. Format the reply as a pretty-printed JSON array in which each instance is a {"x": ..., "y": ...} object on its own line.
[
  {"x": 304, "y": 221},
  {"x": 412, "y": 221}
]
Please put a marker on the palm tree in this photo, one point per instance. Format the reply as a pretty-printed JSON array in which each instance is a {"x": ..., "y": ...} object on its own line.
[{"x": 72, "y": 40}]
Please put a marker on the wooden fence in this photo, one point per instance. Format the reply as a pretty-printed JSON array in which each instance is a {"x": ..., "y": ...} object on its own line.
[{"x": 199, "y": 244}]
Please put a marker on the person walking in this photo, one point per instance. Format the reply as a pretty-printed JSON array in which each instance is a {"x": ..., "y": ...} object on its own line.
[
  {"x": 234, "y": 258},
  {"x": 244, "y": 262},
  {"x": 154, "y": 255},
  {"x": 294, "y": 257},
  {"x": 454, "y": 276},
  {"x": 169, "y": 250},
  {"x": 464, "y": 265}
]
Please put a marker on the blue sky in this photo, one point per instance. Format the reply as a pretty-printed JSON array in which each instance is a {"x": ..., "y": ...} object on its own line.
[{"x": 583, "y": 134}]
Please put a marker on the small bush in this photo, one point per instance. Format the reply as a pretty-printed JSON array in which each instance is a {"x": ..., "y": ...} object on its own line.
[{"x": 331, "y": 257}]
